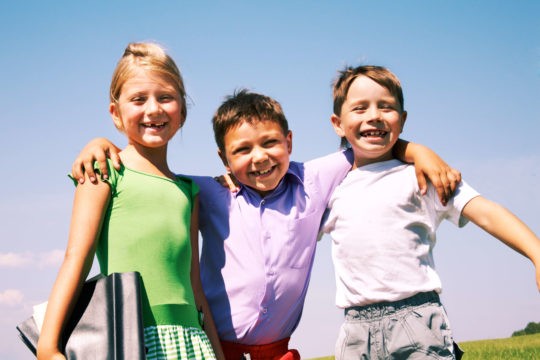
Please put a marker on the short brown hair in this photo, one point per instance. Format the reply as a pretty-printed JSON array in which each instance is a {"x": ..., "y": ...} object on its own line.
[
  {"x": 379, "y": 74},
  {"x": 245, "y": 106}
]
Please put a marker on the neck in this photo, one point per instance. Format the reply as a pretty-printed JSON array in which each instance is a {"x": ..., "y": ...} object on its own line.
[
  {"x": 362, "y": 160},
  {"x": 148, "y": 160}
]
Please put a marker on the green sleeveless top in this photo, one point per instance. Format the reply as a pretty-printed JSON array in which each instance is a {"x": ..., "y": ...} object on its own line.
[{"x": 147, "y": 229}]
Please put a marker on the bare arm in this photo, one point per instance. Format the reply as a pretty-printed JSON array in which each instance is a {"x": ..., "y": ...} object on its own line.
[
  {"x": 200, "y": 298},
  {"x": 428, "y": 164},
  {"x": 98, "y": 149},
  {"x": 87, "y": 216},
  {"x": 505, "y": 226}
]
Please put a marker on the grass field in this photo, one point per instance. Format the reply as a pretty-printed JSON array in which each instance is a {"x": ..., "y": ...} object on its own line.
[{"x": 526, "y": 347}]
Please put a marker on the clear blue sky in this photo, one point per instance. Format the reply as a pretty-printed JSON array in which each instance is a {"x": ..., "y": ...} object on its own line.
[{"x": 471, "y": 76}]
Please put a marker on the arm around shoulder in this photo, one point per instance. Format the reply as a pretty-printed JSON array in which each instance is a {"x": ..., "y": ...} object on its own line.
[{"x": 99, "y": 150}]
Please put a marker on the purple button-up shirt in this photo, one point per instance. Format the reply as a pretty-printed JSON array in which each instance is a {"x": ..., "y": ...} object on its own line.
[{"x": 257, "y": 253}]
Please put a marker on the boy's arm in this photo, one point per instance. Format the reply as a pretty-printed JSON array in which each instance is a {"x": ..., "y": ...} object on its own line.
[
  {"x": 99, "y": 150},
  {"x": 208, "y": 324},
  {"x": 428, "y": 164},
  {"x": 506, "y": 227}
]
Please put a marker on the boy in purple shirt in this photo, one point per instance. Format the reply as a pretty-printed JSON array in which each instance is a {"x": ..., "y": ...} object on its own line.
[{"x": 259, "y": 241}]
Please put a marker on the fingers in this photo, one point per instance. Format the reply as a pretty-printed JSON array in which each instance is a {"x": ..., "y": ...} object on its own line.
[
  {"x": 77, "y": 170},
  {"x": 454, "y": 176},
  {"x": 443, "y": 187},
  {"x": 101, "y": 159},
  {"x": 115, "y": 158},
  {"x": 422, "y": 182},
  {"x": 230, "y": 183}
]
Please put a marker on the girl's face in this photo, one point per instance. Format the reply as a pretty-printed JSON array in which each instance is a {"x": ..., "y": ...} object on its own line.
[
  {"x": 148, "y": 109},
  {"x": 371, "y": 120}
]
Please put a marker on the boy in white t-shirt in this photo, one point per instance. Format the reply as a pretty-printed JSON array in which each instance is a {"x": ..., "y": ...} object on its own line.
[{"x": 383, "y": 230}]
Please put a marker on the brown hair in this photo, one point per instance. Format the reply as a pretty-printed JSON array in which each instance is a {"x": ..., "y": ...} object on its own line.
[
  {"x": 152, "y": 57},
  {"x": 379, "y": 74},
  {"x": 246, "y": 106}
]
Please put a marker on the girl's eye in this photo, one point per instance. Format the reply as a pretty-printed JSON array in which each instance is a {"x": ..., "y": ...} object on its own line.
[
  {"x": 166, "y": 97},
  {"x": 138, "y": 99}
]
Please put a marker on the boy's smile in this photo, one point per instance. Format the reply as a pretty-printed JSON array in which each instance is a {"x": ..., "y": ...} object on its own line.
[
  {"x": 257, "y": 154},
  {"x": 371, "y": 120}
]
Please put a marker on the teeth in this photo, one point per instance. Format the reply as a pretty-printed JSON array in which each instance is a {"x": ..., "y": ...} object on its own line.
[
  {"x": 374, "y": 133},
  {"x": 153, "y": 125},
  {"x": 263, "y": 172}
]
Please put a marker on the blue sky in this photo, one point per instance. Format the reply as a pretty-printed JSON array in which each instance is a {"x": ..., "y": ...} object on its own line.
[{"x": 471, "y": 77}]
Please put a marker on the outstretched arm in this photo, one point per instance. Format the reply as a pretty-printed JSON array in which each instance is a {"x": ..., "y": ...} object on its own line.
[
  {"x": 505, "y": 226},
  {"x": 428, "y": 164},
  {"x": 98, "y": 149}
]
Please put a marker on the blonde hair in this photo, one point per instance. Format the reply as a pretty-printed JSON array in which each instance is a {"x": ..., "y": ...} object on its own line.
[{"x": 151, "y": 57}]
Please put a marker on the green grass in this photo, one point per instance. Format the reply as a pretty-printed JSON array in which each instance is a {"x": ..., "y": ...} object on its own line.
[
  {"x": 523, "y": 347},
  {"x": 526, "y": 347}
]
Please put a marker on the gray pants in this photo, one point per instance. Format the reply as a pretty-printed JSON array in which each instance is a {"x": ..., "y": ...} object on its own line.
[{"x": 413, "y": 328}]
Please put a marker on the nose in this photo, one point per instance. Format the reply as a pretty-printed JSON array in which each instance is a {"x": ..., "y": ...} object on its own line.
[
  {"x": 153, "y": 107},
  {"x": 374, "y": 113},
  {"x": 259, "y": 155}
]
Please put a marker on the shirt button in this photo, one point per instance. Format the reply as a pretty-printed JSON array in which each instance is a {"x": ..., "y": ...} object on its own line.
[{"x": 264, "y": 310}]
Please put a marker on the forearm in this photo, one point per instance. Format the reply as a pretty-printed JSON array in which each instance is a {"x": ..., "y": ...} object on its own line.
[
  {"x": 404, "y": 151},
  {"x": 60, "y": 305},
  {"x": 209, "y": 326}
]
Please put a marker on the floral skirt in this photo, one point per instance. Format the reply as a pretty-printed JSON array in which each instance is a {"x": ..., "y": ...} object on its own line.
[{"x": 167, "y": 342}]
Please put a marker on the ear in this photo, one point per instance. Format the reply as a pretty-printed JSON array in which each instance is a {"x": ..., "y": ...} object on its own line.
[
  {"x": 336, "y": 123},
  {"x": 289, "y": 142},
  {"x": 115, "y": 114},
  {"x": 223, "y": 158},
  {"x": 403, "y": 119}
]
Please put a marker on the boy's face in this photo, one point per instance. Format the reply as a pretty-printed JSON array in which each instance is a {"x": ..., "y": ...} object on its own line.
[
  {"x": 257, "y": 154},
  {"x": 371, "y": 120}
]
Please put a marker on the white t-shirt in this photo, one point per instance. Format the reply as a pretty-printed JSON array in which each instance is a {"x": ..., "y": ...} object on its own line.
[{"x": 383, "y": 233}]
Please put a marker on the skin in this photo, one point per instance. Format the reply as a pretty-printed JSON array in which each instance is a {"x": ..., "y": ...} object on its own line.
[
  {"x": 257, "y": 154},
  {"x": 371, "y": 120},
  {"x": 148, "y": 112}
]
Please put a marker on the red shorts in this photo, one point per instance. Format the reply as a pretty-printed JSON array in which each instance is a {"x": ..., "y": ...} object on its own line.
[{"x": 278, "y": 350}]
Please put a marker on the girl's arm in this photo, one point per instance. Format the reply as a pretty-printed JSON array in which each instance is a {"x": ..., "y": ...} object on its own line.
[
  {"x": 87, "y": 216},
  {"x": 99, "y": 150},
  {"x": 506, "y": 227},
  {"x": 200, "y": 299}
]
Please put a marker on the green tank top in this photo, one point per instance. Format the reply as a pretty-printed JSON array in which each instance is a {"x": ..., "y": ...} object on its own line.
[{"x": 147, "y": 229}]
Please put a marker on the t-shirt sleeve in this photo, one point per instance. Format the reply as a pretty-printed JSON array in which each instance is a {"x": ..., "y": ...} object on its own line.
[{"x": 453, "y": 210}]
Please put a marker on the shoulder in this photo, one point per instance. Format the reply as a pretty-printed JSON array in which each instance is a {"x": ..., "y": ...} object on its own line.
[
  {"x": 343, "y": 158},
  {"x": 188, "y": 184}
]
